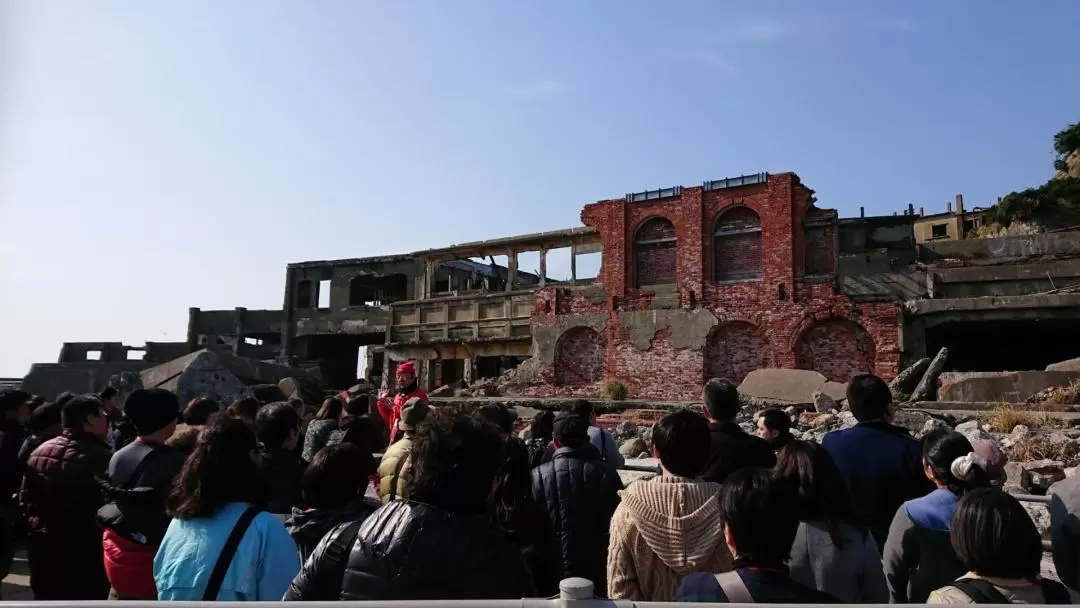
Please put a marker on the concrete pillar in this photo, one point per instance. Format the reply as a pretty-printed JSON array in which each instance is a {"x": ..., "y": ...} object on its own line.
[
  {"x": 468, "y": 373},
  {"x": 573, "y": 263},
  {"x": 192, "y": 329},
  {"x": 238, "y": 330},
  {"x": 543, "y": 267},
  {"x": 429, "y": 279},
  {"x": 512, "y": 270},
  {"x": 288, "y": 317}
]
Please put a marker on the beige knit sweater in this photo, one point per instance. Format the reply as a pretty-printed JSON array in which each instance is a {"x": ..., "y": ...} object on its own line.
[{"x": 664, "y": 529}]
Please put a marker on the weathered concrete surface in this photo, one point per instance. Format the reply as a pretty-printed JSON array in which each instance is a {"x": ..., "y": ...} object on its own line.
[
  {"x": 1008, "y": 387},
  {"x": 1068, "y": 365},
  {"x": 790, "y": 385},
  {"x": 546, "y": 337},
  {"x": 689, "y": 328},
  {"x": 51, "y": 379},
  {"x": 906, "y": 381},
  {"x": 1063, "y": 243},
  {"x": 991, "y": 303},
  {"x": 927, "y": 387},
  {"x": 988, "y": 405},
  {"x": 216, "y": 375}
]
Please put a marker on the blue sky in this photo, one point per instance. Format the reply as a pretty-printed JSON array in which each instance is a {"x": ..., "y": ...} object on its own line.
[{"x": 156, "y": 156}]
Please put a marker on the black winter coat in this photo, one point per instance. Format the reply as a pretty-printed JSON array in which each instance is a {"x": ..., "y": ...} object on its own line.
[
  {"x": 581, "y": 494},
  {"x": 62, "y": 489},
  {"x": 308, "y": 526},
  {"x": 412, "y": 551},
  {"x": 11, "y": 468},
  {"x": 732, "y": 449},
  {"x": 282, "y": 469}
]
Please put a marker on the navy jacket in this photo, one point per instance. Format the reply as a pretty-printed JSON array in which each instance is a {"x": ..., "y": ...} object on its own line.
[
  {"x": 580, "y": 493},
  {"x": 766, "y": 585},
  {"x": 882, "y": 465}
]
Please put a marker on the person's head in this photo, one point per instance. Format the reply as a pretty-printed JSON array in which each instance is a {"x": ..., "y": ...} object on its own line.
[
  {"x": 511, "y": 493},
  {"x": 772, "y": 424},
  {"x": 951, "y": 463},
  {"x": 330, "y": 410},
  {"x": 336, "y": 476},
  {"x": 822, "y": 493},
  {"x": 357, "y": 405},
  {"x": 758, "y": 515},
  {"x": 277, "y": 425},
  {"x": 110, "y": 398},
  {"x": 681, "y": 442},
  {"x": 413, "y": 413},
  {"x": 995, "y": 458},
  {"x": 454, "y": 460},
  {"x": 85, "y": 414},
  {"x": 406, "y": 376},
  {"x": 721, "y": 400},
  {"x": 993, "y": 535},
  {"x": 15, "y": 406},
  {"x": 543, "y": 425},
  {"x": 570, "y": 430},
  {"x": 584, "y": 408},
  {"x": 365, "y": 433},
  {"x": 199, "y": 410},
  {"x": 245, "y": 409},
  {"x": 870, "y": 399},
  {"x": 222, "y": 469},
  {"x": 35, "y": 402},
  {"x": 153, "y": 411},
  {"x": 498, "y": 416},
  {"x": 46, "y": 419}
]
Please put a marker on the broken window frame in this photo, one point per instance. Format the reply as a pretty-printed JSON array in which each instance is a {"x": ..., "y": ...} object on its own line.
[
  {"x": 644, "y": 245},
  {"x": 733, "y": 228}
]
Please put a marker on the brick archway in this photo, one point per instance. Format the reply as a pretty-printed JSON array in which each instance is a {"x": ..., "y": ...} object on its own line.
[
  {"x": 838, "y": 348},
  {"x": 735, "y": 349},
  {"x": 579, "y": 357}
]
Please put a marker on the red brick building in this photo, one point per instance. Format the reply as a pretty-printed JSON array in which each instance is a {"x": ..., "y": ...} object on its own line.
[{"x": 711, "y": 280}]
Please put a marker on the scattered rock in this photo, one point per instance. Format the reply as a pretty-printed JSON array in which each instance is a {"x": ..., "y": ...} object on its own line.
[
  {"x": 1052, "y": 468},
  {"x": 1070, "y": 472},
  {"x": 623, "y": 431},
  {"x": 932, "y": 425},
  {"x": 824, "y": 403},
  {"x": 1040, "y": 514},
  {"x": 1019, "y": 432},
  {"x": 926, "y": 389},
  {"x": 1058, "y": 438},
  {"x": 823, "y": 420},
  {"x": 791, "y": 411},
  {"x": 633, "y": 447},
  {"x": 973, "y": 430},
  {"x": 644, "y": 455},
  {"x": 847, "y": 419}
]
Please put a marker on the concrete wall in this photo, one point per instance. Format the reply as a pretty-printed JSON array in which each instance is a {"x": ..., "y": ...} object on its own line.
[
  {"x": 1004, "y": 248},
  {"x": 51, "y": 379}
]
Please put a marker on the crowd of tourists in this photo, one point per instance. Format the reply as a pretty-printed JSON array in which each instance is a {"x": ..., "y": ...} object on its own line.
[{"x": 147, "y": 499}]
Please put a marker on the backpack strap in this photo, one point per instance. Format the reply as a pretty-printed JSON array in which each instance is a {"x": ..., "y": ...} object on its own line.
[
  {"x": 1054, "y": 592},
  {"x": 734, "y": 588},
  {"x": 980, "y": 591},
  {"x": 224, "y": 560},
  {"x": 133, "y": 479},
  {"x": 397, "y": 475},
  {"x": 337, "y": 553}
]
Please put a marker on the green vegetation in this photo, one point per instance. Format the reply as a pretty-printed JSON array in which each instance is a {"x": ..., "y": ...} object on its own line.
[{"x": 1055, "y": 204}]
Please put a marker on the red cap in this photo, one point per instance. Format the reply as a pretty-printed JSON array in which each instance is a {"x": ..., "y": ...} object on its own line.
[{"x": 406, "y": 368}]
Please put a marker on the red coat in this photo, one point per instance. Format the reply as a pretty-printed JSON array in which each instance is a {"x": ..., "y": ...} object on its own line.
[
  {"x": 129, "y": 566},
  {"x": 391, "y": 412}
]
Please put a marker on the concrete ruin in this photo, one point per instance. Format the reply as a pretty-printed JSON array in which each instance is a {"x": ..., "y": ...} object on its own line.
[{"x": 717, "y": 279}]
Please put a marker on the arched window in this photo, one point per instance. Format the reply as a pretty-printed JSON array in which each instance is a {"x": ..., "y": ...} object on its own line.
[
  {"x": 838, "y": 348},
  {"x": 655, "y": 252},
  {"x": 579, "y": 357},
  {"x": 737, "y": 245}
]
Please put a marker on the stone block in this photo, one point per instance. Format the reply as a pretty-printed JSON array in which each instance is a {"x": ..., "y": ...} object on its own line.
[
  {"x": 789, "y": 385},
  {"x": 1008, "y": 387}
]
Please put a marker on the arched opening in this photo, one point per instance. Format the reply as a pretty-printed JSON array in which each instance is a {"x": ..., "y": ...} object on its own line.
[
  {"x": 735, "y": 349},
  {"x": 655, "y": 252},
  {"x": 838, "y": 348},
  {"x": 737, "y": 245},
  {"x": 579, "y": 357}
]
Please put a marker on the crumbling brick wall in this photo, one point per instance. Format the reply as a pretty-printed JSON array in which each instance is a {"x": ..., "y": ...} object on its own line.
[
  {"x": 838, "y": 348},
  {"x": 655, "y": 252},
  {"x": 579, "y": 358},
  {"x": 734, "y": 350}
]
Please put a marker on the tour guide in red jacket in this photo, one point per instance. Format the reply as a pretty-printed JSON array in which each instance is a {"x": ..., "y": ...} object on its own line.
[{"x": 406, "y": 389}]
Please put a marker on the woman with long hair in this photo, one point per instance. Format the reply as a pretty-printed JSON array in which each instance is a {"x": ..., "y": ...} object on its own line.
[
  {"x": 918, "y": 556},
  {"x": 217, "y": 497},
  {"x": 833, "y": 551},
  {"x": 319, "y": 430}
]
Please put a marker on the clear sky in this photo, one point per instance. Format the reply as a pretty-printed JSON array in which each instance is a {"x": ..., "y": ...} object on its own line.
[{"x": 156, "y": 156}]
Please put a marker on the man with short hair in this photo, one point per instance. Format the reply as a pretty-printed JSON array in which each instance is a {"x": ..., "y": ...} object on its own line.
[
  {"x": 759, "y": 517},
  {"x": 581, "y": 493},
  {"x": 407, "y": 388},
  {"x": 881, "y": 463},
  {"x": 140, "y": 476},
  {"x": 774, "y": 426},
  {"x": 731, "y": 447},
  {"x": 61, "y": 495},
  {"x": 277, "y": 425},
  {"x": 665, "y": 527},
  {"x": 14, "y": 411},
  {"x": 121, "y": 430}
]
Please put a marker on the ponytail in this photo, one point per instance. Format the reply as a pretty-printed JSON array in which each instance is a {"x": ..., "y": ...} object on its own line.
[{"x": 954, "y": 462}]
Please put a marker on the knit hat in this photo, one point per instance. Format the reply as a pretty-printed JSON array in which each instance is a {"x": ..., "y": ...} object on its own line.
[
  {"x": 413, "y": 413},
  {"x": 995, "y": 459},
  {"x": 570, "y": 429},
  {"x": 407, "y": 367},
  {"x": 151, "y": 409}
]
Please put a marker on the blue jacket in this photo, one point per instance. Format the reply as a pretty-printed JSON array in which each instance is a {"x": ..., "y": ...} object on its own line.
[
  {"x": 265, "y": 562},
  {"x": 882, "y": 465}
]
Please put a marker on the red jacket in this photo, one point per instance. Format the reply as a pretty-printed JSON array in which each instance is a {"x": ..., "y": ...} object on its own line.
[
  {"x": 391, "y": 412},
  {"x": 129, "y": 566}
]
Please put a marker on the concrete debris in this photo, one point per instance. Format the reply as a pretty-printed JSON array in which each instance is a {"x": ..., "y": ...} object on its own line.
[
  {"x": 304, "y": 389},
  {"x": 824, "y": 403},
  {"x": 445, "y": 390},
  {"x": 933, "y": 424},
  {"x": 789, "y": 385},
  {"x": 1040, "y": 514},
  {"x": 268, "y": 393},
  {"x": 822, "y": 420},
  {"x": 926, "y": 389},
  {"x": 1068, "y": 365},
  {"x": 791, "y": 411},
  {"x": 1007, "y": 387},
  {"x": 632, "y": 447},
  {"x": 905, "y": 382},
  {"x": 624, "y": 431},
  {"x": 974, "y": 431},
  {"x": 847, "y": 419},
  {"x": 1019, "y": 432}
]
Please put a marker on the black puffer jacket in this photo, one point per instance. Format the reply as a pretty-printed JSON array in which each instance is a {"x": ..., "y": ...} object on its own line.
[
  {"x": 62, "y": 489},
  {"x": 308, "y": 526},
  {"x": 581, "y": 494},
  {"x": 412, "y": 551}
]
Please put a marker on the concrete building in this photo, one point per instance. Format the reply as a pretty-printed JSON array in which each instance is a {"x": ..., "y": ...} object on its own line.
[{"x": 952, "y": 225}]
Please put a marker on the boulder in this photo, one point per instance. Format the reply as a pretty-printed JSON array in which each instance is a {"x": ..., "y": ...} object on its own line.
[
  {"x": 926, "y": 389},
  {"x": 218, "y": 375},
  {"x": 1068, "y": 365},
  {"x": 623, "y": 431},
  {"x": 1040, "y": 514},
  {"x": 1051, "y": 468},
  {"x": 824, "y": 403},
  {"x": 1019, "y": 432},
  {"x": 931, "y": 425},
  {"x": 789, "y": 385},
  {"x": 823, "y": 420},
  {"x": 304, "y": 389},
  {"x": 973, "y": 430},
  {"x": 631, "y": 448}
]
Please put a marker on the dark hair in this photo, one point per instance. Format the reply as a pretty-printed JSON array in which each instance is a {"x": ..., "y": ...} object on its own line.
[
  {"x": 543, "y": 425},
  {"x": 993, "y": 535},
  {"x": 218, "y": 472},
  {"x": 358, "y": 405},
  {"x": 822, "y": 493},
  {"x": 583, "y": 408},
  {"x": 75, "y": 412},
  {"x": 363, "y": 432},
  {"x": 336, "y": 476},
  {"x": 721, "y": 399},
  {"x": 776, "y": 420},
  {"x": 454, "y": 459},
  {"x": 199, "y": 410},
  {"x": 759, "y": 512},
  {"x": 571, "y": 430},
  {"x": 64, "y": 397},
  {"x": 330, "y": 410},
  {"x": 245, "y": 408},
  {"x": 498, "y": 416},
  {"x": 11, "y": 399},
  {"x": 511, "y": 500},
  {"x": 44, "y": 417},
  {"x": 940, "y": 449},
  {"x": 681, "y": 439},
  {"x": 35, "y": 402},
  {"x": 274, "y": 422},
  {"x": 868, "y": 397},
  {"x": 108, "y": 393}
]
